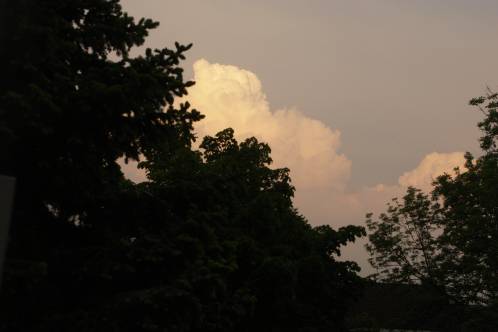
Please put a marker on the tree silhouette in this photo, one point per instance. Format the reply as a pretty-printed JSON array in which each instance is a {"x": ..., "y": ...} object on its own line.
[
  {"x": 403, "y": 244},
  {"x": 448, "y": 240},
  {"x": 471, "y": 215},
  {"x": 210, "y": 242}
]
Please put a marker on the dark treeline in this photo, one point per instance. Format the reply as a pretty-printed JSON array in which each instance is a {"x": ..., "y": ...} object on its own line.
[{"x": 210, "y": 242}]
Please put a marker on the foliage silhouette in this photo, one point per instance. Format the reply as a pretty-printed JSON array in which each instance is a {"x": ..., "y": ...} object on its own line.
[
  {"x": 449, "y": 239},
  {"x": 210, "y": 242},
  {"x": 471, "y": 215},
  {"x": 403, "y": 244}
]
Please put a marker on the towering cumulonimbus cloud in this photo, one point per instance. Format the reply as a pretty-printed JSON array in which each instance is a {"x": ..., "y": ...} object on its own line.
[{"x": 232, "y": 97}]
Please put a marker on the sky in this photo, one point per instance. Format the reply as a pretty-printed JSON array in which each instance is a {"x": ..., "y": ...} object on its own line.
[{"x": 360, "y": 99}]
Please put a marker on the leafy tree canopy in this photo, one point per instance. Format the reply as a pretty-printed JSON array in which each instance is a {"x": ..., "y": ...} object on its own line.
[
  {"x": 448, "y": 239},
  {"x": 211, "y": 242}
]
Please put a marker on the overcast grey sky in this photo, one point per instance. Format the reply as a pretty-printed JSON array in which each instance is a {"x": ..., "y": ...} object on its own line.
[{"x": 393, "y": 77}]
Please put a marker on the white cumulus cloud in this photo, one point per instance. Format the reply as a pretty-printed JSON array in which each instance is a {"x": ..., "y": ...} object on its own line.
[
  {"x": 374, "y": 199},
  {"x": 432, "y": 166},
  {"x": 233, "y": 97}
]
